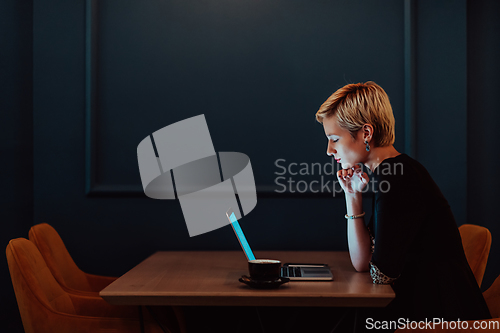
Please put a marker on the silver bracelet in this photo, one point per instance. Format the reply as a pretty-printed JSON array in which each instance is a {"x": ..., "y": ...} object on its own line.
[{"x": 350, "y": 217}]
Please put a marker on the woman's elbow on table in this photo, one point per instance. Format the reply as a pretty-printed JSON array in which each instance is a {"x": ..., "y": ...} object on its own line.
[
  {"x": 361, "y": 264},
  {"x": 361, "y": 268}
]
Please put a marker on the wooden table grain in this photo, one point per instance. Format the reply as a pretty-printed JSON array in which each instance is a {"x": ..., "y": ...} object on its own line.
[{"x": 210, "y": 278}]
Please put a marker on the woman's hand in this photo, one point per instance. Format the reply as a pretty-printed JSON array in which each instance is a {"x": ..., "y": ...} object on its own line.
[{"x": 352, "y": 180}]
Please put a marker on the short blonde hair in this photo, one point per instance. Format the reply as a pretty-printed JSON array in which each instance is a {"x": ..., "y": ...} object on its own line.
[{"x": 358, "y": 104}]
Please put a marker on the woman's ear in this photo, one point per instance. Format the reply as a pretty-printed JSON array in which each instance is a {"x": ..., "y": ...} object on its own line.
[{"x": 367, "y": 132}]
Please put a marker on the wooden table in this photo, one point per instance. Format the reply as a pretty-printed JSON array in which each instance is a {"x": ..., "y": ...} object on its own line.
[{"x": 210, "y": 278}]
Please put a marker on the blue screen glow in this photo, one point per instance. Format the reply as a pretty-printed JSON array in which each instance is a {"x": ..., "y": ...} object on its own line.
[{"x": 241, "y": 237}]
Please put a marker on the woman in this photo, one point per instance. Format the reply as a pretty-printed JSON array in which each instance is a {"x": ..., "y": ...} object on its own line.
[{"x": 411, "y": 241}]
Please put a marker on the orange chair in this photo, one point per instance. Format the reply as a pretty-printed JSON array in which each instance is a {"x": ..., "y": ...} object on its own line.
[
  {"x": 75, "y": 281},
  {"x": 66, "y": 272},
  {"x": 476, "y": 241},
  {"x": 492, "y": 297},
  {"x": 46, "y": 307}
]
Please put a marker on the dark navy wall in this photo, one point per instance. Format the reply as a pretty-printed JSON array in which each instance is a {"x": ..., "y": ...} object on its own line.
[
  {"x": 483, "y": 119},
  {"x": 16, "y": 141},
  {"x": 442, "y": 97},
  {"x": 258, "y": 71}
]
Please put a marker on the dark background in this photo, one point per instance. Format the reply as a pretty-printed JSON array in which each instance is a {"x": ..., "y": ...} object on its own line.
[{"x": 258, "y": 70}]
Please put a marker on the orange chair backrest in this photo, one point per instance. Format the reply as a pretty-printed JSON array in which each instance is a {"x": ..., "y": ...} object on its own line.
[
  {"x": 492, "y": 298},
  {"x": 57, "y": 257},
  {"x": 476, "y": 241},
  {"x": 35, "y": 287}
]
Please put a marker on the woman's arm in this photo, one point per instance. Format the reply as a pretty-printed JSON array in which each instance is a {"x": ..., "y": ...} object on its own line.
[
  {"x": 353, "y": 181},
  {"x": 358, "y": 237}
]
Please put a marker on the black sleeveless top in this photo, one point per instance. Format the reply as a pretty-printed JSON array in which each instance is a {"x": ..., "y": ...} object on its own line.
[{"x": 417, "y": 248}]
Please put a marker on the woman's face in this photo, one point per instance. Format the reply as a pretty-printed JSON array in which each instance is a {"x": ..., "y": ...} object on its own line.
[{"x": 342, "y": 146}]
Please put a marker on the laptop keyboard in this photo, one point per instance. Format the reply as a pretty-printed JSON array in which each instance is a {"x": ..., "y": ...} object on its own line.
[{"x": 291, "y": 271}]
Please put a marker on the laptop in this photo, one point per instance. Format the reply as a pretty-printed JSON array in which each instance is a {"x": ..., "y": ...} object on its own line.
[{"x": 295, "y": 272}]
